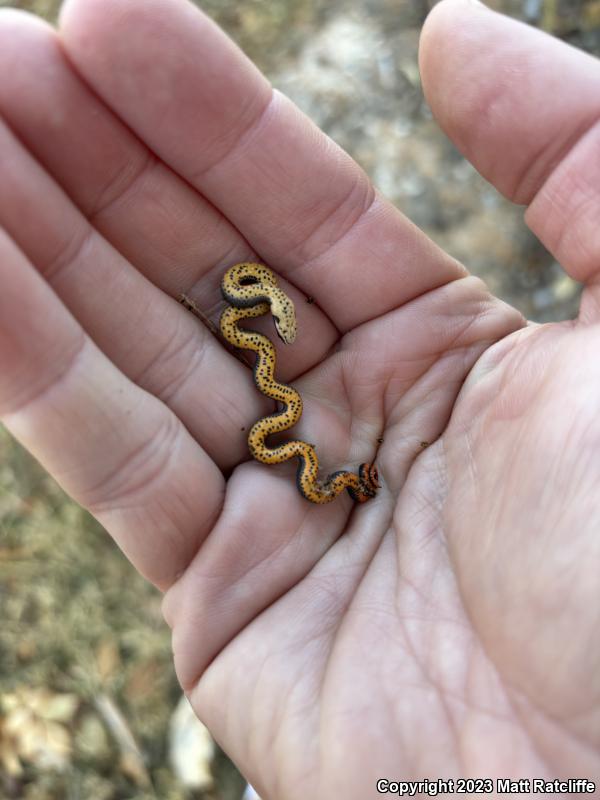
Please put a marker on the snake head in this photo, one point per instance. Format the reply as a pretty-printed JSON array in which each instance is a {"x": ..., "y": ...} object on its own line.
[{"x": 284, "y": 316}]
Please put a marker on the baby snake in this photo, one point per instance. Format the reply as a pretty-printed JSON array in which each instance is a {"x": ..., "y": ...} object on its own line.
[{"x": 251, "y": 291}]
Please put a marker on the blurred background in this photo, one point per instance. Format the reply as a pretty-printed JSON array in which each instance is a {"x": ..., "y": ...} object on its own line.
[{"x": 89, "y": 703}]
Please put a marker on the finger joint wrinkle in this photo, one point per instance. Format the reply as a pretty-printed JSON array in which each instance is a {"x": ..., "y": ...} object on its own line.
[
  {"x": 245, "y": 135},
  {"x": 69, "y": 253},
  {"x": 129, "y": 483},
  {"x": 48, "y": 380},
  {"x": 123, "y": 182}
]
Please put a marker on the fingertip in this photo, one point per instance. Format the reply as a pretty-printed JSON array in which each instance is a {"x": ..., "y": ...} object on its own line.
[
  {"x": 16, "y": 23},
  {"x": 441, "y": 44},
  {"x": 25, "y": 41},
  {"x": 69, "y": 12},
  {"x": 443, "y": 17},
  {"x": 82, "y": 26},
  {"x": 64, "y": 11},
  {"x": 18, "y": 17},
  {"x": 88, "y": 26},
  {"x": 73, "y": 11}
]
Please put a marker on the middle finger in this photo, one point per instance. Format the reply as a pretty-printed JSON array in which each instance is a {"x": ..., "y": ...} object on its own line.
[{"x": 145, "y": 212}]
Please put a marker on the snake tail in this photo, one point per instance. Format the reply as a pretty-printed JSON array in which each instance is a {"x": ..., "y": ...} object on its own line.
[{"x": 252, "y": 291}]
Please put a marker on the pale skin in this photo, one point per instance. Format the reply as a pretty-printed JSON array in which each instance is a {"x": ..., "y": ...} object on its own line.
[{"x": 448, "y": 627}]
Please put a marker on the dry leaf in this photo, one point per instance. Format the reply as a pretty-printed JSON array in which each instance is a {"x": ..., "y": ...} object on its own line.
[
  {"x": 54, "y": 707},
  {"x": 250, "y": 794},
  {"x": 91, "y": 739},
  {"x": 142, "y": 681},
  {"x": 33, "y": 729},
  {"x": 26, "y": 649},
  {"x": 9, "y": 757},
  {"x": 15, "y": 553},
  {"x": 191, "y": 748},
  {"x": 108, "y": 660}
]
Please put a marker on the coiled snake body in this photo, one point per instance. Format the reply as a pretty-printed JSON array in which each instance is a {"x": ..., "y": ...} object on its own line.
[{"x": 252, "y": 290}]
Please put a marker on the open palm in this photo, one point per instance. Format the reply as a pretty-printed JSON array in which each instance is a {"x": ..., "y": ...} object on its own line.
[{"x": 445, "y": 628}]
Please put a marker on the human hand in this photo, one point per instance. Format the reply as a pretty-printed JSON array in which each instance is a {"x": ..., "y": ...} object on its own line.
[{"x": 448, "y": 631}]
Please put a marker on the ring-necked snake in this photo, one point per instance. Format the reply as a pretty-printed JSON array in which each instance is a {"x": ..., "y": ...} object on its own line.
[{"x": 251, "y": 291}]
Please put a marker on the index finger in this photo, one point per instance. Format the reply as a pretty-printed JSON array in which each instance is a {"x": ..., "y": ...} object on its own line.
[{"x": 303, "y": 204}]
